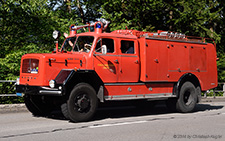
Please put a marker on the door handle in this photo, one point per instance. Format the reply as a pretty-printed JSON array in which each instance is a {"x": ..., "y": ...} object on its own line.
[
  {"x": 136, "y": 61},
  {"x": 116, "y": 61}
]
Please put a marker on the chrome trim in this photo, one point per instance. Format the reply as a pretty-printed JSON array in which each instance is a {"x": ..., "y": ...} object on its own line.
[
  {"x": 115, "y": 84},
  {"x": 139, "y": 96},
  {"x": 48, "y": 88},
  {"x": 53, "y": 93}
]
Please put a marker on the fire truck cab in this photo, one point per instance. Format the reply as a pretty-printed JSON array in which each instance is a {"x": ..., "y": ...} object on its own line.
[{"x": 95, "y": 67}]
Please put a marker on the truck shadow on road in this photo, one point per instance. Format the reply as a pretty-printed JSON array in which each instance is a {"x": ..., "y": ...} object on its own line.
[
  {"x": 123, "y": 111},
  {"x": 207, "y": 107},
  {"x": 158, "y": 109}
]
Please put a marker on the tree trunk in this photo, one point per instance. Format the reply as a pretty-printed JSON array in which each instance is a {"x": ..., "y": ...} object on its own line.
[
  {"x": 171, "y": 17},
  {"x": 68, "y": 5},
  {"x": 81, "y": 11}
]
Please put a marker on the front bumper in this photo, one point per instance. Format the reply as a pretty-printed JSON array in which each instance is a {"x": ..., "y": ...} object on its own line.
[{"x": 37, "y": 90}]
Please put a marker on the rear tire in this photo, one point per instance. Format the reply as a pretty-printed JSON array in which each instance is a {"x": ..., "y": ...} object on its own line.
[
  {"x": 187, "y": 98},
  {"x": 82, "y": 103}
]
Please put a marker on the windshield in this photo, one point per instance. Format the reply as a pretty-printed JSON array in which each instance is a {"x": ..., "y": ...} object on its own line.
[
  {"x": 68, "y": 44},
  {"x": 83, "y": 43}
]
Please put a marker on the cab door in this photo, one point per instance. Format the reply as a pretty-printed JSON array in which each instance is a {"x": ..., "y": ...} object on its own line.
[
  {"x": 129, "y": 61},
  {"x": 106, "y": 65}
]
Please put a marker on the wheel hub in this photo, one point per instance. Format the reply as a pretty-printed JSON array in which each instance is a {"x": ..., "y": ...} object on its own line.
[
  {"x": 83, "y": 103},
  {"x": 187, "y": 98}
]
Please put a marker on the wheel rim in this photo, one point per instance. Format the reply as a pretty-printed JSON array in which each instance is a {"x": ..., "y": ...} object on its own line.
[{"x": 82, "y": 103}]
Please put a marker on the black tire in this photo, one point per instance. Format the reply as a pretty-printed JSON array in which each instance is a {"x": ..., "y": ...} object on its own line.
[
  {"x": 35, "y": 105},
  {"x": 199, "y": 93},
  {"x": 82, "y": 103},
  {"x": 64, "y": 110},
  {"x": 187, "y": 98}
]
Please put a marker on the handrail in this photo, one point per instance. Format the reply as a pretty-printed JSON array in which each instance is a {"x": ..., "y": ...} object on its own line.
[{"x": 7, "y": 81}]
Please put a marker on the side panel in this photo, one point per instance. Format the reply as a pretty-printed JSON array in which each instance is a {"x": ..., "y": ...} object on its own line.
[
  {"x": 167, "y": 61},
  {"x": 178, "y": 57},
  {"x": 209, "y": 78},
  {"x": 120, "y": 91},
  {"x": 154, "y": 60},
  {"x": 198, "y": 59}
]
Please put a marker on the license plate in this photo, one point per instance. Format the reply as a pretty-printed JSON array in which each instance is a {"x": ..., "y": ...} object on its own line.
[{"x": 19, "y": 94}]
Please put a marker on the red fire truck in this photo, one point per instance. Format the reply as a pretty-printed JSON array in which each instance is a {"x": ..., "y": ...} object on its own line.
[{"x": 98, "y": 67}]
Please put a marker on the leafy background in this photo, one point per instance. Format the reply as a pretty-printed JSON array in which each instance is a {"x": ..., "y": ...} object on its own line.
[{"x": 26, "y": 26}]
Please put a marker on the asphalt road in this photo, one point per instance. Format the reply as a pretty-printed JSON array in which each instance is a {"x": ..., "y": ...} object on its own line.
[{"x": 120, "y": 124}]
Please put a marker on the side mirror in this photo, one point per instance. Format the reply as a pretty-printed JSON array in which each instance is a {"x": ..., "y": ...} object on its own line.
[{"x": 104, "y": 49}]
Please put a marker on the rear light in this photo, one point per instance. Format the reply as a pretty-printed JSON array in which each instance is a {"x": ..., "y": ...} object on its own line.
[{"x": 30, "y": 66}]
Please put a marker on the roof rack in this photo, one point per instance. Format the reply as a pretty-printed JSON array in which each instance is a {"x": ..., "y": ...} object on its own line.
[{"x": 163, "y": 35}]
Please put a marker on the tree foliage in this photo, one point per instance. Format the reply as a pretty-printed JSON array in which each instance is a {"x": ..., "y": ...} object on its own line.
[
  {"x": 140, "y": 15},
  {"x": 192, "y": 17}
]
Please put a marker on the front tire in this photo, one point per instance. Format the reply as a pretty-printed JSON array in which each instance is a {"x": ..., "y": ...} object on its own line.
[
  {"x": 187, "y": 98},
  {"x": 64, "y": 110},
  {"x": 36, "y": 106},
  {"x": 82, "y": 103}
]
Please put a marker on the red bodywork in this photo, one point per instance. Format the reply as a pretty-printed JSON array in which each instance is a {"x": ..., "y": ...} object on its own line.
[{"x": 156, "y": 66}]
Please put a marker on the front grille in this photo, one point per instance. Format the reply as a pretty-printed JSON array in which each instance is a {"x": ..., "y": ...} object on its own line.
[{"x": 30, "y": 66}]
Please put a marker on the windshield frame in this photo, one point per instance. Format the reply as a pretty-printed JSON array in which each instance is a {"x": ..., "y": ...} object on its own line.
[
  {"x": 78, "y": 46},
  {"x": 62, "y": 47}
]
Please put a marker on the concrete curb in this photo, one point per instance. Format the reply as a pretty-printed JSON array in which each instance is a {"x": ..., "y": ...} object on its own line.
[
  {"x": 12, "y": 108},
  {"x": 212, "y": 99}
]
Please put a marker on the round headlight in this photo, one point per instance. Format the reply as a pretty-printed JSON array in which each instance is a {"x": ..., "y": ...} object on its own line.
[
  {"x": 56, "y": 34},
  {"x": 52, "y": 83},
  {"x": 18, "y": 81}
]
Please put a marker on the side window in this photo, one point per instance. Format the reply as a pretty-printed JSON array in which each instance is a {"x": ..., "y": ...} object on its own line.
[
  {"x": 105, "y": 41},
  {"x": 127, "y": 47}
]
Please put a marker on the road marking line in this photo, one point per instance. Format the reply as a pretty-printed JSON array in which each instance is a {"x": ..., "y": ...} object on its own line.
[{"x": 117, "y": 124}]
